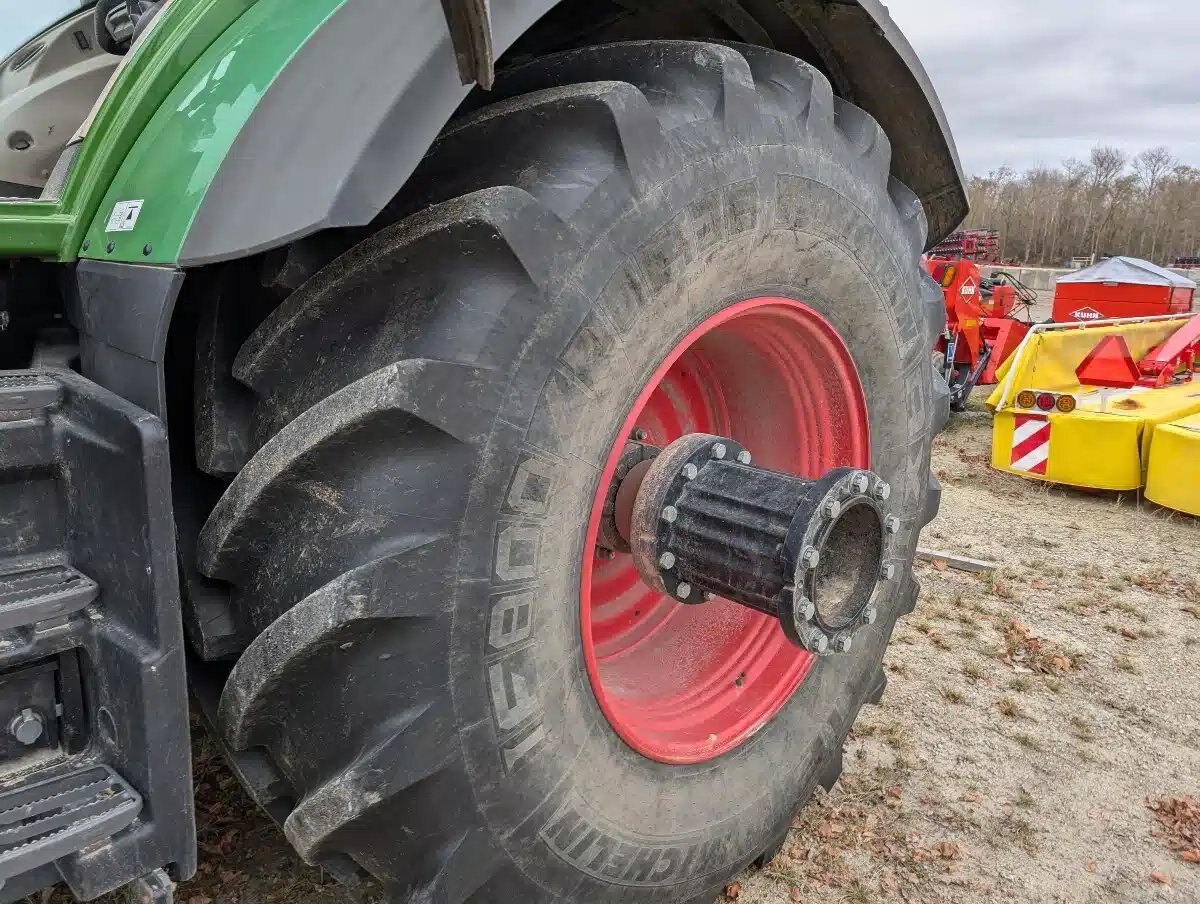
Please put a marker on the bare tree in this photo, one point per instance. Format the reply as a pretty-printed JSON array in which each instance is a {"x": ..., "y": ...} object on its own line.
[{"x": 1147, "y": 206}]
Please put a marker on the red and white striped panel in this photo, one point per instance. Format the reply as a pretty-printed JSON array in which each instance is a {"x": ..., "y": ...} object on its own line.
[{"x": 1031, "y": 444}]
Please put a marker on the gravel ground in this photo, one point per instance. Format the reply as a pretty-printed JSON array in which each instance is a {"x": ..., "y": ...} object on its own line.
[{"x": 1031, "y": 720}]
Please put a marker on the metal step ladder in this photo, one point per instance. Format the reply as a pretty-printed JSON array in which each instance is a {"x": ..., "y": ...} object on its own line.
[
  {"x": 38, "y": 594},
  {"x": 41, "y": 821}
]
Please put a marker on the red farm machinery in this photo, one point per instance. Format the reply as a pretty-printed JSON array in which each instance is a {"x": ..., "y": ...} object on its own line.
[
  {"x": 979, "y": 245},
  {"x": 986, "y": 319}
]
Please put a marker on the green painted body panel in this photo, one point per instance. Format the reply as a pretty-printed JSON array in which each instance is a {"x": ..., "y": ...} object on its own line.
[
  {"x": 32, "y": 228},
  {"x": 177, "y": 155},
  {"x": 54, "y": 229}
]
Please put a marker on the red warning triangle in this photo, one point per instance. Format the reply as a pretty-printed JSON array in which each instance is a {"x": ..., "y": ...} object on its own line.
[{"x": 1109, "y": 364}]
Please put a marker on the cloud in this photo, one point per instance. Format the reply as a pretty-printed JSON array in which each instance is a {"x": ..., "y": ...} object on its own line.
[{"x": 1034, "y": 82}]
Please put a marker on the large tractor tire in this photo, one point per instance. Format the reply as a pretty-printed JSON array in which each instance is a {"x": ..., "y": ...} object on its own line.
[{"x": 463, "y": 695}]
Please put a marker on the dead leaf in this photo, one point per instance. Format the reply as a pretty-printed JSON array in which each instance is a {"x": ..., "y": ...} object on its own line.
[
  {"x": 1179, "y": 821},
  {"x": 1128, "y": 634},
  {"x": 1037, "y": 584},
  {"x": 896, "y": 791},
  {"x": 973, "y": 797},
  {"x": 940, "y": 564},
  {"x": 795, "y": 893},
  {"x": 733, "y": 891},
  {"x": 1090, "y": 866},
  {"x": 1160, "y": 878},
  {"x": 948, "y": 850}
]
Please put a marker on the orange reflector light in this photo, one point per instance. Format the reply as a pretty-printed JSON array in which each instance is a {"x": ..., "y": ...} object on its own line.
[
  {"x": 1109, "y": 364},
  {"x": 1066, "y": 404},
  {"x": 1026, "y": 398},
  {"x": 948, "y": 276},
  {"x": 1045, "y": 401}
]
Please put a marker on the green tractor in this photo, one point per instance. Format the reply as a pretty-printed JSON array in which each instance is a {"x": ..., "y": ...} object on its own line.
[{"x": 508, "y": 422}]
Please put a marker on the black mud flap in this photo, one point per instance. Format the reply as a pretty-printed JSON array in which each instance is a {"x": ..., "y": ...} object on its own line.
[{"x": 95, "y": 777}]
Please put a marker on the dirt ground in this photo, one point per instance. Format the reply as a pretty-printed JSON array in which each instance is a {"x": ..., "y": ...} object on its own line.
[{"x": 1032, "y": 721}]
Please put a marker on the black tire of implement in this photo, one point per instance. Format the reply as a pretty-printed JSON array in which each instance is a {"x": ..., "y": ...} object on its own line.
[{"x": 431, "y": 413}]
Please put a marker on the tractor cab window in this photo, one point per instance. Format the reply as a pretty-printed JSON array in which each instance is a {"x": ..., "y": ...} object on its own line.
[{"x": 52, "y": 71}]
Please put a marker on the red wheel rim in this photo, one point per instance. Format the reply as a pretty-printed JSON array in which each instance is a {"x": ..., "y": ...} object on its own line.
[{"x": 685, "y": 684}]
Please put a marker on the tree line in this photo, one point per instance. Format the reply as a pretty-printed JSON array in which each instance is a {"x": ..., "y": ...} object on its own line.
[{"x": 1145, "y": 206}]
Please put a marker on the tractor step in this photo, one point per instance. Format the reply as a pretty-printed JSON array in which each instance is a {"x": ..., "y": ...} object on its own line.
[
  {"x": 38, "y": 594},
  {"x": 27, "y": 391},
  {"x": 41, "y": 821},
  {"x": 93, "y": 705}
]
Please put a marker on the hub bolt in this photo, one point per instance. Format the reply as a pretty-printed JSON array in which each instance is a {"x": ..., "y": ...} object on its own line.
[
  {"x": 27, "y": 726},
  {"x": 833, "y": 508},
  {"x": 815, "y": 641},
  {"x": 843, "y": 643},
  {"x": 666, "y": 561},
  {"x": 859, "y": 483},
  {"x": 887, "y": 572},
  {"x": 719, "y": 450},
  {"x": 810, "y": 558},
  {"x": 690, "y": 471},
  {"x": 882, "y": 491},
  {"x": 744, "y": 457},
  {"x": 806, "y": 609},
  {"x": 669, "y": 514},
  {"x": 869, "y": 615},
  {"x": 640, "y": 434},
  {"x": 892, "y": 523},
  {"x": 684, "y": 590}
]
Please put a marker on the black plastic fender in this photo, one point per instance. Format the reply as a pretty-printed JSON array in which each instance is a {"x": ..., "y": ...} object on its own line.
[{"x": 344, "y": 126}]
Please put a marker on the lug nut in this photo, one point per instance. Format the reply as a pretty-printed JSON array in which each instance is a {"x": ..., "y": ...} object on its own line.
[
  {"x": 27, "y": 727},
  {"x": 744, "y": 457},
  {"x": 666, "y": 561},
  {"x": 843, "y": 643},
  {"x": 859, "y": 483},
  {"x": 869, "y": 615},
  {"x": 892, "y": 523},
  {"x": 684, "y": 590},
  {"x": 810, "y": 557},
  {"x": 719, "y": 450},
  {"x": 640, "y": 434},
  {"x": 690, "y": 471},
  {"x": 806, "y": 609},
  {"x": 709, "y": 596},
  {"x": 604, "y": 553},
  {"x": 669, "y": 514},
  {"x": 887, "y": 572},
  {"x": 883, "y": 490},
  {"x": 833, "y": 508}
]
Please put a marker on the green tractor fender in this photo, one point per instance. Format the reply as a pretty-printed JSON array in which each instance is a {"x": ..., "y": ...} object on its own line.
[{"x": 304, "y": 115}]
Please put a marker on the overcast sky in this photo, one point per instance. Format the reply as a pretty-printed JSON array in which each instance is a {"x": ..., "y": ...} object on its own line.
[{"x": 1026, "y": 82}]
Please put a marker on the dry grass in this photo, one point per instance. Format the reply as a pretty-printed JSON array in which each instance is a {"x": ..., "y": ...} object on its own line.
[
  {"x": 1082, "y": 729},
  {"x": 1010, "y": 708},
  {"x": 973, "y": 670},
  {"x": 1125, "y": 664},
  {"x": 1025, "y": 650}
]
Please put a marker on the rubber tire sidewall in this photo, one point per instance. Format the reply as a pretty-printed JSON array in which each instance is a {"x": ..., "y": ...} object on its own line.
[{"x": 579, "y": 812}]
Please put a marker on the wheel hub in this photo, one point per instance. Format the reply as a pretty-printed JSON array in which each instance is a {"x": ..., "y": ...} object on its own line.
[{"x": 705, "y": 523}]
